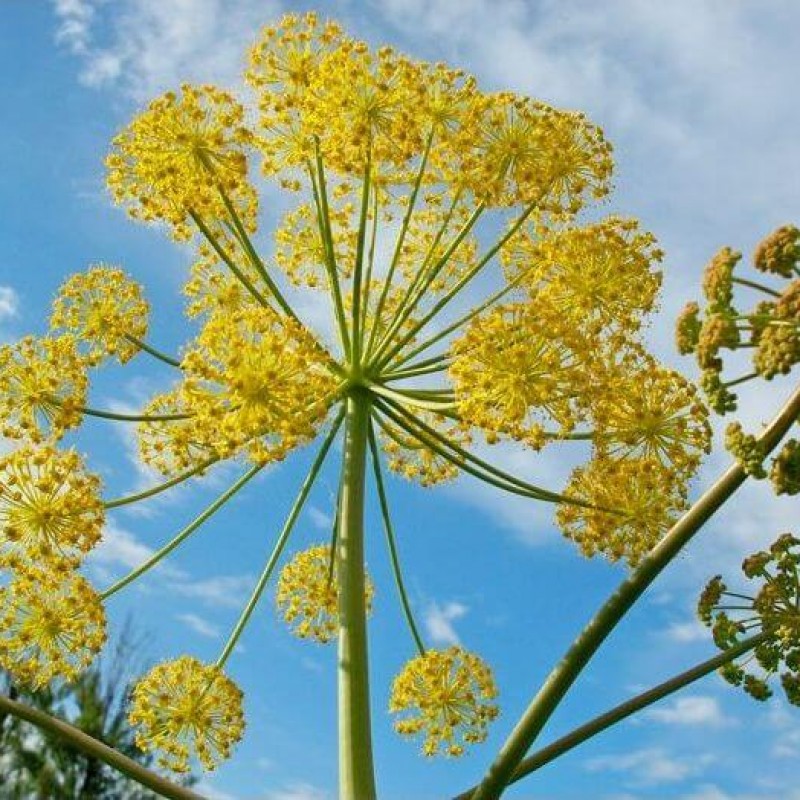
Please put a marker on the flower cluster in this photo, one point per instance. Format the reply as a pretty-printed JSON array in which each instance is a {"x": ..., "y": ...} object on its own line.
[
  {"x": 184, "y": 708},
  {"x": 104, "y": 310},
  {"x": 52, "y": 624},
  {"x": 308, "y": 594},
  {"x": 774, "y": 611},
  {"x": 50, "y": 507},
  {"x": 447, "y": 697},
  {"x": 770, "y": 329}
]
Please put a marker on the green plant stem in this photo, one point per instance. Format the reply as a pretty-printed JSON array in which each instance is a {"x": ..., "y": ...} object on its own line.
[
  {"x": 461, "y": 321},
  {"x": 428, "y": 367},
  {"x": 395, "y": 350},
  {"x": 90, "y": 746},
  {"x": 148, "y": 348},
  {"x": 614, "y": 609},
  {"x": 391, "y": 542},
  {"x": 412, "y": 201},
  {"x": 462, "y": 458},
  {"x": 283, "y": 537},
  {"x": 758, "y": 286},
  {"x": 220, "y": 251},
  {"x": 401, "y": 397},
  {"x": 358, "y": 271},
  {"x": 187, "y": 531},
  {"x": 611, "y": 717},
  {"x": 423, "y": 280},
  {"x": 323, "y": 213},
  {"x": 356, "y": 774},
  {"x": 161, "y": 487},
  {"x": 102, "y": 414}
]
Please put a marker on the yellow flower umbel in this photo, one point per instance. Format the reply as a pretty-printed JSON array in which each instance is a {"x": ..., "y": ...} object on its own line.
[
  {"x": 105, "y": 311},
  {"x": 630, "y": 504},
  {"x": 180, "y": 156},
  {"x": 447, "y": 697},
  {"x": 50, "y": 507},
  {"x": 308, "y": 595},
  {"x": 42, "y": 388},
  {"x": 52, "y": 625},
  {"x": 258, "y": 381},
  {"x": 184, "y": 708}
]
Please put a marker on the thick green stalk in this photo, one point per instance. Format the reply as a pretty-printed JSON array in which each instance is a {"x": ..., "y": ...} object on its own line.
[
  {"x": 86, "y": 744},
  {"x": 187, "y": 531},
  {"x": 356, "y": 774},
  {"x": 614, "y": 609},
  {"x": 624, "y": 710}
]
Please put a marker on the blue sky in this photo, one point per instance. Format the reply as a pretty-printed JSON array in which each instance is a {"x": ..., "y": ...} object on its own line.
[{"x": 699, "y": 99}]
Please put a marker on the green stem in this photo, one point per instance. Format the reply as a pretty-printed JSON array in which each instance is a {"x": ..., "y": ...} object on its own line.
[
  {"x": 86, "y": 744},
  {"x": 387, "y": 283},
  {"x": 96, "y": 412},
  {"x": 758, "y": 286},
  {"x": 391, "y": 542},
  {"x": 461, "y": 458},
  {"x": 358, "y": 271},
  {"x": 189, "y": 529},
  {"x": 220, "y": 251},
  {"x": 471, "y": 314},
  {"x": 161, "y": 487},
  {"x": 614, "y": 609},
  {"x": 441, "y": 303},
  {"x": 283, "y": 537},
  {"x": 323, "y": 213},
  {"x": 148, "y": 348},
  {"x": 402, "y": 397},
  {"x": 603, "y": 721},
  {"x": 356, "y": 774}
]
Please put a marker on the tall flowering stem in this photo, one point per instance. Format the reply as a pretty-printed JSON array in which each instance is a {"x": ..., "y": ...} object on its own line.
[{"x": 356, "y": 774}]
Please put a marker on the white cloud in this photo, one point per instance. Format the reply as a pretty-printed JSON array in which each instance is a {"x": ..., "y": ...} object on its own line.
[
  {"x": 689, "y": 631},
  {"x": 199, "y": 625},
  {"x": 9, "y": 303},
  {"x": 223, "y": 591},
  {"x": 205, "y": 789},
  {"x": 121, "y": 548},
  {"x": 439, "y": 622},
  {"x": 148, "y": 46},
  {"x": 297, "y": 791},
  {"x": 653, "y": 765},
  {"x": 319, "y": 518},
  {"x": 75, "y": 19},
  {"x": 691, "y": 710}
]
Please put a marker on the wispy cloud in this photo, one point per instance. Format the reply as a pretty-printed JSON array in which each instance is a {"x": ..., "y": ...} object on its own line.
[
  {"x": 223, "y": 591},
  {"x": 652, "y": 765},
  {"x": 147, "y": 46},
  {"x": 439, "y": 622},
  {"x": 700, "y": 710},
  {"x": 297, "y": 791},
  {"x": 199, "y": 625},
  {"x": 9, "y": 303}
]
